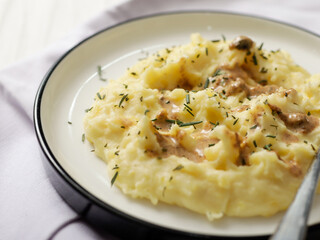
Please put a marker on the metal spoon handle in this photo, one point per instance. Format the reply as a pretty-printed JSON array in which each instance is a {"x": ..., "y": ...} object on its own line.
[{"x": 294, "y": 223}]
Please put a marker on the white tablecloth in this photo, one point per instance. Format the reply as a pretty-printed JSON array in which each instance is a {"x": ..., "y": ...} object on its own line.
[{"x": 29, "y": 206}]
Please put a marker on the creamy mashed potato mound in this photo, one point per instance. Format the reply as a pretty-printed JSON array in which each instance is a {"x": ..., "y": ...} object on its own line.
[{"x": 218, "y": 127}]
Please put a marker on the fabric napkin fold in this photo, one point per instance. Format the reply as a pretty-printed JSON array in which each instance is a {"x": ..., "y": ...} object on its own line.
[{"x": 29, "y": 206}]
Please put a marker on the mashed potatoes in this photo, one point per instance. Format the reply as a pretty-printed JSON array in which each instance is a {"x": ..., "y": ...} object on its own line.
[{"x": 218, "y": 127}]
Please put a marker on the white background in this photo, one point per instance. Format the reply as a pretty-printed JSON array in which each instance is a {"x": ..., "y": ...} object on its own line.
[{"x": 28, "y": 26}]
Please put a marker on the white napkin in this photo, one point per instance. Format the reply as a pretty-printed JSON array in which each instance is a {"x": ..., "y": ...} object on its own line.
[{"x": 29, "y": 206}]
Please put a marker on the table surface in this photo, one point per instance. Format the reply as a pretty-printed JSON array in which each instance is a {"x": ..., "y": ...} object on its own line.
[{"x": 28, "y": 26}]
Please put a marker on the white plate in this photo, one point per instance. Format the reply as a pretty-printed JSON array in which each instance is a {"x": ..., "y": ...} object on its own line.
[{"x": 70, "y": 86}]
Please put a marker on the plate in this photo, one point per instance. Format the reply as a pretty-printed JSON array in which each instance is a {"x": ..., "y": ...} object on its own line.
[{"x": 70, "y": 85}]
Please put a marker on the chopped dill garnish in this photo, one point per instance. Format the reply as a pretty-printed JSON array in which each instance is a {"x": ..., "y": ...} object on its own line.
[
  {"x": 114, "y": 178},
  {"x": 69, "y": 122},
  {"x": 99, "y": 96},
  {"x": 214, "y": 124},
  {"x": 190, "y": 112},
  {"x": 267, "y": 147},
  {"x": 179, "y": 167},
  {"x": 254, "y": 126},
  {"x": 179, "y": 122},
  {"x": 188, "y": 107},
  {"x": 100, "y": 74},
  {"x": 189, "y": 124},
  {"x": 170, "y": 121},
  {"x": 188, "y": 98},
  {"x": 263, "y": 56},
  {"x": 271, "y": 136},
  {"x": 216, "y": 40},
  {"x": 206, "y": 51},
  {"x": 83, "y": 137},
  {"x": 223, "y": 37},
  {"x": 255, "y": 143},
  {"x": 260, "y": 48},
  {"x": 217, "y": 73},
  {"x": 254, "y": 59},
  {"x": 122, "y": 99},
  {"x": 146, "y": 111},
  {"x": 263, "y": 70},
  {"x": 117, "y": 153},
  {"x": 206, "y": 83},
  {"x": 211, "y": 145},
  {"x": 235, "y": 122},
  {"x": 88, "y": 109}
]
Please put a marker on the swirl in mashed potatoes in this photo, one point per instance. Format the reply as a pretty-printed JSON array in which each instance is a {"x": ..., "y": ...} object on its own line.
[{"x": 218, "y": 127}]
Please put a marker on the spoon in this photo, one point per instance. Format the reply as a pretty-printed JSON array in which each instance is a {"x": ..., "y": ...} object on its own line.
[{"x": 293, "y": 225}]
